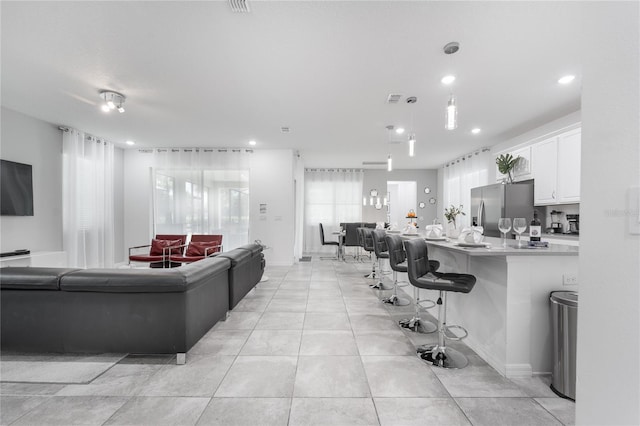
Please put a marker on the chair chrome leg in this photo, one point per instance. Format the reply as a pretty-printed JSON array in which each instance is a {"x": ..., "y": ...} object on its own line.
[
  {"x": 394, "y": 299},
  {"x": 380, "y": 285},
  {"x": 417, "y": 324},
  {"x": 440, "y": 355},
  {"x": 373, "y": 270}
]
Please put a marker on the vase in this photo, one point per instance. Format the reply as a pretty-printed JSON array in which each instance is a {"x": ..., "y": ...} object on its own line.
[{"x": 452, "y": 230}]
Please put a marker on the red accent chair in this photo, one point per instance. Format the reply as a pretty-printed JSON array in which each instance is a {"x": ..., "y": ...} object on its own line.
[
  {"x": 199, "y": 247},
  {"x": 160, "y": 250}
]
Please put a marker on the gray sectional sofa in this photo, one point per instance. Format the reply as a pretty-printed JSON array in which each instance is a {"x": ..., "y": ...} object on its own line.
[{"x": 148, "y": 311}]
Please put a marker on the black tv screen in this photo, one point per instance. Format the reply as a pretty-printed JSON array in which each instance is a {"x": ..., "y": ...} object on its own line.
[{"x": 16, "y": 189}]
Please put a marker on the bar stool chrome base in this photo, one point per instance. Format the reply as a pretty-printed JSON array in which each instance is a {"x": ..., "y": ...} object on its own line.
[
  {"x": 441, "y": 356},
  {"x": 396, "y": 300},
  {"x": 380, "y": 286},
  {"x": 418, "y": 325}
]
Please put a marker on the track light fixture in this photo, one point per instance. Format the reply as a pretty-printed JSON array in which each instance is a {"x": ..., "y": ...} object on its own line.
[{"x": 112, "y": 100}]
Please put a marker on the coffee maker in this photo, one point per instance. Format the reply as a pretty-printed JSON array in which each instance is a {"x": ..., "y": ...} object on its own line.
[
  {"x": 574, "y": 223},
  {"x": 556, "y": 225}
]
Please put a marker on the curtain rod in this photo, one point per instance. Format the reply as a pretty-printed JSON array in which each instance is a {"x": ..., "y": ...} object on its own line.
[
  {"x": 151, "y": 150},
  {"x": 333, "y": 170}
]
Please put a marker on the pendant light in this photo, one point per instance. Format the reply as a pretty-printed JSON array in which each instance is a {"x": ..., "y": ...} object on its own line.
[
  {"x": 451, "y": 114},
  {"x": 389, "y": 128},
  {"x": 412, "y": 144},
  {"x": 412, "y": 136}
]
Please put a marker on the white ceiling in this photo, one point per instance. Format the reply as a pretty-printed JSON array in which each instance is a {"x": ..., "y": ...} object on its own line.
[{"x": 197, "y": 74}]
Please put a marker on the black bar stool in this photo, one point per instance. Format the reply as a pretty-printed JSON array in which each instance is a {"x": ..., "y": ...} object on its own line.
[
  {"x": 397, "y": 260},
  {"x": 366, "y": 236},
  {"x": 421, "y": 275},
  {"x": 382, "y": 252}
]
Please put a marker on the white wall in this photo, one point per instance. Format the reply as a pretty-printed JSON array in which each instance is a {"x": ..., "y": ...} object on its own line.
[
  {"x": 270, "y": 182},
  {"x": 377, "y": 179},
  {"x": 299, "y": 207},
  {"x": 25, "y": 139},
  {"x": 608, "y": 369}
]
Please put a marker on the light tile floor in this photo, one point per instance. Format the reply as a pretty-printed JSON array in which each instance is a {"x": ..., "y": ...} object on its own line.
[{"x": 311, "y": 346}]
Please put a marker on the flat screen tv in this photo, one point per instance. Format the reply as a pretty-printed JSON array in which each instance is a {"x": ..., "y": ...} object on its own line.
[{"x": 16, "y": 189}]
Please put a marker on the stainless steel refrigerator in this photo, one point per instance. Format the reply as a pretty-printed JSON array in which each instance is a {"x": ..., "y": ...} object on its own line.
[{"x": 490, "y": 203}]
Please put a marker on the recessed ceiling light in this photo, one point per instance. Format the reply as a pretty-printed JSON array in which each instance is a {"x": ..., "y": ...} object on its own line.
[
  {"x": 448, "y": 79},
  {"x": 400, "y": 130},
  {"x": 252, "y": 143},
  {"x": 475, "y": 131},
  {"x": 130, "y": 142},
  {"x": 566, "y": 79}
]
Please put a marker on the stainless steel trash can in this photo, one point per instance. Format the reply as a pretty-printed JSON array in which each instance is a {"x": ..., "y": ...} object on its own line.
[{"x": 564, "y": 320}]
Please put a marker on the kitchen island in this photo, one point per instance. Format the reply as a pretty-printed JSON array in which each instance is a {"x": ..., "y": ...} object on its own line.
[{"x": 507, "y": 313}]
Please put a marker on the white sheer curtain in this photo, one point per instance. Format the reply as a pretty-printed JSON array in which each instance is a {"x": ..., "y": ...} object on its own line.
[
  {"x": 202, "y": 191},
  {"x": 462, "y": 174},
  {"x": 87, "y": 193},
  {"x": 331, "y": 196}
]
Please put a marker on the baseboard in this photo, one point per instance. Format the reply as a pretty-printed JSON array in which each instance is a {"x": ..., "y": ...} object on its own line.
[
  {"x": 518, "y": 371},
  {"x": 490, "y": 359}
]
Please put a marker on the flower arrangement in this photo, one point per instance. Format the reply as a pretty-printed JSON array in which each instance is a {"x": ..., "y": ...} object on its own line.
[{"x": 452, "y": 212}]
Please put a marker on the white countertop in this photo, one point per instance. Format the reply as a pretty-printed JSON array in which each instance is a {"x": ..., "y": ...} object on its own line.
[{"x": 495, "y": 248}]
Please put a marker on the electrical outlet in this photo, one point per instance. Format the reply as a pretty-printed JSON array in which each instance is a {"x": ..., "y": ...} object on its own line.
[{"x": 569, "y": 279}]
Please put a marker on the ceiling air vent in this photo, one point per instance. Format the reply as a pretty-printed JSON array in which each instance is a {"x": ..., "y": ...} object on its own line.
[
  {"x": 374, "y": 163},
  {"x": 240, "y": 6},
  {"x": 285, "y": 130},
  {"x": 393, "y": 98}
]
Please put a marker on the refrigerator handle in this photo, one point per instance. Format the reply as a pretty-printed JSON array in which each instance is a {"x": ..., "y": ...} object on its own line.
[{"x": 480, "y": 212}]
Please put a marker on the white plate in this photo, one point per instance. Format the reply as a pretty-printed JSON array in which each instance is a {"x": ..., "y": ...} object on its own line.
[{"x": 436, "y": 239}]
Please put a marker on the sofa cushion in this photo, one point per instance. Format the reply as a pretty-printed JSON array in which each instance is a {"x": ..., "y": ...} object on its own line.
[
  {"x": 198, "y": 248},
  {"x": 252, "y": 248},
  {"x": 32, "y": 278},
  {"x": 197, "y": 272},
  {"x": 163, "y": 280},
  {"x": 236, "y": 256},
  {"x": 157, "y": 246}
]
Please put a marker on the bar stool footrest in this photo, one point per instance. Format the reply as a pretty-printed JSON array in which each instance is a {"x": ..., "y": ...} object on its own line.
[
  {"x": 433, "y": 303},
  {"x": 449, "y": 335}
]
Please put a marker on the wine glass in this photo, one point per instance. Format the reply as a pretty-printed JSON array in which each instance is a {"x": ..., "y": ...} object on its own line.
[
  {"x": 519, "y": 225},
  {"x": 504, "y": 225}
]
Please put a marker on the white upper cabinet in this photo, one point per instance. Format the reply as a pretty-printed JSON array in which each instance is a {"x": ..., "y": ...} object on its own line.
[
  {"x": 556, "y": 169},
  {"x": 544, "y": 159},
  {"x": 569, "y": 167}
]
